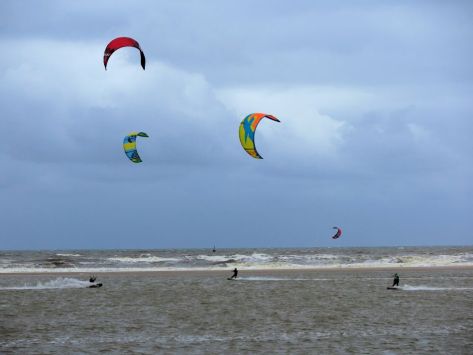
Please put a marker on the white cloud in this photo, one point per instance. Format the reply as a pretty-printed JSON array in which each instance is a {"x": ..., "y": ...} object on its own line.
[
  {"x": 69, "y": 108},
  {"x": 304, "y": 131}
]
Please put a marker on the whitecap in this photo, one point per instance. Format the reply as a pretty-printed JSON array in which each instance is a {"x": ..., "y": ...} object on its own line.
[
  {"x": 147, "y": 259},
  {"x": 58, "y": 254}
]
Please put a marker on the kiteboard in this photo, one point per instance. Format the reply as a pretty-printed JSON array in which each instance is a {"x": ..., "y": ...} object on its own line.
[
  {"x": 95, "y": 285},
  {"x": 230, "y": 279},
  {"x": 393, "y": 288}
]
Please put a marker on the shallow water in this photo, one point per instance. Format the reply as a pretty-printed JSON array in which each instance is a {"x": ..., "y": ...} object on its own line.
[{"x": 272, "y": 312}]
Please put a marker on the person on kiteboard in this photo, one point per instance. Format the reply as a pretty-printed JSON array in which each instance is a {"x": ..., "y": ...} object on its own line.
[
  {"x": 235, "y": 274},
  {"x": 93, "y": 284},
  {"x": 396, "y": 280}
]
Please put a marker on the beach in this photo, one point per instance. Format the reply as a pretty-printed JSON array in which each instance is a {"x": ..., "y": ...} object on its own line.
[{"x": 297, "y": 311}]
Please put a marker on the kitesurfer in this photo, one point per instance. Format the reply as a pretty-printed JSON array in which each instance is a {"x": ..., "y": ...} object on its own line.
[
  {"x": 396, "y": 280},
  {"x": 235, "y": 274},
  {"x": 93, "y": 284}
]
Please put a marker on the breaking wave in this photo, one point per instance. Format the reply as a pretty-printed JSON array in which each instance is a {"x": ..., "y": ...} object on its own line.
[{"x": 263, "y": 259}]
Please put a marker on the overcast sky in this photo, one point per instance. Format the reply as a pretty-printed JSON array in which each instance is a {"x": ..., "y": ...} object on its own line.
[{"x": 374, "y": 98}]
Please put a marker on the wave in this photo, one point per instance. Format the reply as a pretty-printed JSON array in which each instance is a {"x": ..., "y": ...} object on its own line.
[
  {"x": 142, "y": 259},
  {"x": 58, "y": 283},
  {"x": 122, "y": 261},
  {"x": 70, "y": 255},
  {"x": 254, "y": 257}
]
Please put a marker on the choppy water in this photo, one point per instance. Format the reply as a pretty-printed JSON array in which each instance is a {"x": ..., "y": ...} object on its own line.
[
  {"x": 256, "y": 259},
  {"x": 273, "y": 311}
]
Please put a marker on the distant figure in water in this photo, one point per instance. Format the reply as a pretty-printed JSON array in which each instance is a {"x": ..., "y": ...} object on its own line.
[
  {"x": 396, "y": 280},
  {"x": 92, "y": 279},
  {"x": 235, "y": 274},
  {"x": 214, "y": 250}
]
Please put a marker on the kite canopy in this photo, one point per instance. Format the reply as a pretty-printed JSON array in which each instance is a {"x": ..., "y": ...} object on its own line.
[
  {"x": 129, "y": 145},
  {"x": 338, "y": 234},
  {"x": 121, "y": 42},
  {"x": 247, "y": 132}
]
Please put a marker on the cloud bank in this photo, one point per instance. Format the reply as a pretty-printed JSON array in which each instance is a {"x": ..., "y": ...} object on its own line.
[{"x": 374, "y": 102}]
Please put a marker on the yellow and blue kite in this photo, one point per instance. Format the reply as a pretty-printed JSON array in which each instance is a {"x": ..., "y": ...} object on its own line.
[
  {"x": 247, "y": 132},
  {"x": 129, "y": 145}
]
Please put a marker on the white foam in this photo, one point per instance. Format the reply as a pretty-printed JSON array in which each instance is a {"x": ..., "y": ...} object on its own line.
[
  {"x": 53, "y": 284},
  {"x": 433, "y": 288},
  {"x": 68, "y": 254},
  {"x": 253, "y": 258},
  {"x": 309, "y": 257},
  {"x": 142, "y": 259},
  {"x": 214, "y": 258},
  {"x": 246, "y": 261}
]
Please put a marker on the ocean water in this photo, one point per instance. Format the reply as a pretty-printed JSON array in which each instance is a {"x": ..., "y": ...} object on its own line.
[
  {"x": 248, "y": 259},
  {"x": 269, "y": 310}
]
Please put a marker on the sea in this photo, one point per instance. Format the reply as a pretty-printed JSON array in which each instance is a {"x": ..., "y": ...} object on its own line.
[{"x": 284, "y": 301}]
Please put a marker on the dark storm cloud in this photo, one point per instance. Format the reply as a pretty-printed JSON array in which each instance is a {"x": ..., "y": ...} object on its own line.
[
  {"x": 303, "y": 41},
  {"x": 374, "y": 100}
]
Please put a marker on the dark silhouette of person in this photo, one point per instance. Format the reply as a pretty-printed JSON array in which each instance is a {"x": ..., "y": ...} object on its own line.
[
  {"x": 396, "y": 280},
  {"x": 92, "y": 279},
  {"x": 235, "y": 274}
]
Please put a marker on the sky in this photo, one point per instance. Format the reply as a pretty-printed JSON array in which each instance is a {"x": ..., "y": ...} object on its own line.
[{"x": 374, "y": 99}]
